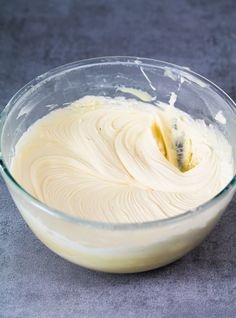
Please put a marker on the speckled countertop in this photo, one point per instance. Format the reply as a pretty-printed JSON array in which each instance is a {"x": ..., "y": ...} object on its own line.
[{"x": 36, "y": 36}]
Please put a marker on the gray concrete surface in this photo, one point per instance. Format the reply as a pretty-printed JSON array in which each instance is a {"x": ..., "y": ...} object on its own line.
[{"x": 38, "y": 35}]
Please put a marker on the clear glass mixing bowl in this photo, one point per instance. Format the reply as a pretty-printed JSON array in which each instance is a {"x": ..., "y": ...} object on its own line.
[{"x": 115, "y": 247}]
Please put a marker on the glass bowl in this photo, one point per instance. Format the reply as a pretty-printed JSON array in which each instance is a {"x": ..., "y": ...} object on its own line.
[{"x": 118, "y": 248}]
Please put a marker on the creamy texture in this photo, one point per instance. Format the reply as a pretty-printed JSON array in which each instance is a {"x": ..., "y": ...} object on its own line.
[{"x": 120, "y": 160}]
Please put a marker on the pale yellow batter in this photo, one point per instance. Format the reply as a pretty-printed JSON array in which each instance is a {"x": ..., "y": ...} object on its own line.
[{"x": 120, "y": 160}]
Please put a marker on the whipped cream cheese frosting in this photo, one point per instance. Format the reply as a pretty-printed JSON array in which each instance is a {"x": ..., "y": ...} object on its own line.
[{"x": 122, "y": 160}]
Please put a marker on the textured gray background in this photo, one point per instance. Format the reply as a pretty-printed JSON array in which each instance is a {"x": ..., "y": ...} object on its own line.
[{"x": 38, "y": 35}]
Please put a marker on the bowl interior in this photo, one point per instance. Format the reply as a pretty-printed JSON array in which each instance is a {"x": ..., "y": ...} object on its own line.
[{"x": 104, "y": 76}]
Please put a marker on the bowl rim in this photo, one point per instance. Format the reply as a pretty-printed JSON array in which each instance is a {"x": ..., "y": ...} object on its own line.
[{"x": 37, "y": 81}]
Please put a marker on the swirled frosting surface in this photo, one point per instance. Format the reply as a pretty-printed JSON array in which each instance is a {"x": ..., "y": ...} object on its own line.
[{"x": 120, "y": 160}]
